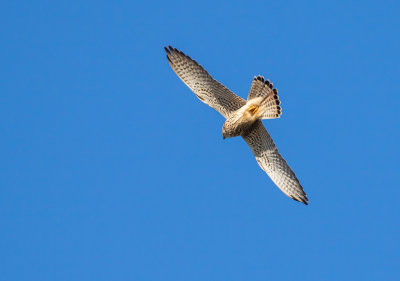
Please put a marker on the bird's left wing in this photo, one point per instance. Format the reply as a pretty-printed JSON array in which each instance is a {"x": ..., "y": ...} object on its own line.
[
  {"x": 207, "y": 89},
  {"x": 269, "y": 159}
]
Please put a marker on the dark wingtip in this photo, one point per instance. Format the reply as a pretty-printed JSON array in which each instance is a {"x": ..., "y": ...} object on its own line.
[
  {"x": 301, "y": 200},
  {"x": 167, "y": 51}
]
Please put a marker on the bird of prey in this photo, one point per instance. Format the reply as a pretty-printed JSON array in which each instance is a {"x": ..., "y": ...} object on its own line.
[{"x": 243, "y": 118}]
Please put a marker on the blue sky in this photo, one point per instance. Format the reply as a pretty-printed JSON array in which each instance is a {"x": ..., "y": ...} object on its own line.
[{"x": 112, "y": 169}]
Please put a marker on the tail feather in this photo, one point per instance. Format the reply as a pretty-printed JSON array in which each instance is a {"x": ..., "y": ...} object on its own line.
[{"x": 269, "y": 104}]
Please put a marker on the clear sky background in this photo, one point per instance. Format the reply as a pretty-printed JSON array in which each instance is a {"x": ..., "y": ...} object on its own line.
[{"x": 111, "y": 169}]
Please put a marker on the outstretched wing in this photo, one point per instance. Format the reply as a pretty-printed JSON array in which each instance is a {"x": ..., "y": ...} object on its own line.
[
  {"x": 207, "y": 89},
  {"x": 269, "y": 159}
]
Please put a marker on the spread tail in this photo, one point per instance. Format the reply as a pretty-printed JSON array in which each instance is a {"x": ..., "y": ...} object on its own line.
[{"x": 265, "y": 98}]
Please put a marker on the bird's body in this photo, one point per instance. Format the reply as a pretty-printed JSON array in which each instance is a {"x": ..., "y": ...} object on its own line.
[
  {"x": 243, "y": 118},
  {"x": 240, "y": 121}
]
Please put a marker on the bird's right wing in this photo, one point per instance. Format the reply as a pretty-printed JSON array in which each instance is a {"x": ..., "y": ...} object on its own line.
[
  {"x": 207, "y": 89},
  {"x": 269, "y": 159}
]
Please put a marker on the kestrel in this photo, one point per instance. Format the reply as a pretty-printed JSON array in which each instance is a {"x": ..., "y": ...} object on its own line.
[{"x": 243, "y": 118}]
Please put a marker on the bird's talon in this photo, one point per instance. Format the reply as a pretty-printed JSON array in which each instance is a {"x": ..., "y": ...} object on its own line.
[{"x": 253, "y": 109}]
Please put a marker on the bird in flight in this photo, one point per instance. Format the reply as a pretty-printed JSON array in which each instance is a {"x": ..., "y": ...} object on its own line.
[{"x": 243, "y": 118}]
